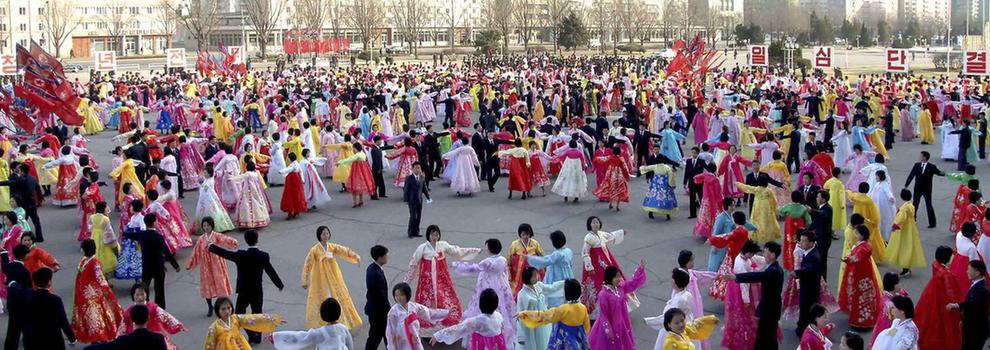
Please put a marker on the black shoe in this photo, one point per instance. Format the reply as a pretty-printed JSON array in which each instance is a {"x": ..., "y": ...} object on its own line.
[
  {"x": 382, "y": 196},
  {"x": 416, "y": 235},
  {"x": 651, "y": 214},
  {"x": 374, "y": 198},
  {"x": 931, "y": 226}
]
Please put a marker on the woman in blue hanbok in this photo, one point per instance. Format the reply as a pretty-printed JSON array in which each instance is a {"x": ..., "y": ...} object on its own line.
[
  {"x": 557, "y": 264},
  {"x": 860, "y": 133},
  {"x": 114, "y": 116},
  {"x": 533, "y": 297},
  {"x": 660, "y": 198},
  {"x": 164, "y": 117},
  {"x": 668, "y": 144}
]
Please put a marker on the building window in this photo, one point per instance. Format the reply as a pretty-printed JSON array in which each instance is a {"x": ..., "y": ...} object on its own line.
[
  {"x": 134, "y": 10},
  {"x": 101, "y": 10},
  {"x": 22, "y": 11},
  {"x": 3, "y": 27},
  {"x": 41, "y": 11},
  {"x": 101, "y": 25},
  {"x": 23, "y": 27},
  {"x": 41, "y": 26},
  {"x": 149, "y": 10},
  {"x": 3, "y": 11}
]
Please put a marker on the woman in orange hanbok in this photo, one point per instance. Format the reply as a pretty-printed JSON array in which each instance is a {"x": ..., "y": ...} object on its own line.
[
  {"x": 214, "y": 281},
  {"x": 520, "y": 178},
  {"x": 95, "y": 312},
  {"x": 37, "y": 257},
  {"x": 860, "y": 292},
  {"x": 159, "y": 320},
  {"x": 518, "y": 252},
  {"x": 615, "y": 187}
]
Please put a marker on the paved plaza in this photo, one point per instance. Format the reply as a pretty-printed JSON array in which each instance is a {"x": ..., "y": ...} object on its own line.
[{"x": 466, "y": 221}]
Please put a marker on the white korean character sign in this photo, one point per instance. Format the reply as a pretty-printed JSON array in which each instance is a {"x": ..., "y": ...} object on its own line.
[
  {"x": 8, "y": 65},
  {"x": 237, "y": 52},
  {"x": 975, "y": 63},
  {"x": 823, "y": 57},
  {"x": 106, "y": 61},
  {"x": 175, "y": 58},
  {"x": 895, "y": 61},
  {"x": 758, "y": 55}
]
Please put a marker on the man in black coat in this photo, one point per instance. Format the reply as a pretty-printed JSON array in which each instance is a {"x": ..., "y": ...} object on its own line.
[
  {"x": 924, "y": 172},
  {"x": 413, "y": 192},
  {"x": 46, "y": 322},
  {"x": 809, "y": 191},
  {"x": 975, "y": 322},
  {"x": 692, "y": 167},
  {"x": 139, "y": 338},
  {"x": 154, "y": 253},
  {"x": 13, "y": 265},
  {"x": 18, "y": 294},
  {"x": 377, "y": 167},
  {"x": 821, "y": 224},
  {"x": 406, "y": 107},
  {"x": 26, "y": 192},
  {"x": 139, "y": 151},
  {"x": 434, "y": 165},
  {"x": 771, "y": 281},
  {"x": 809, "y": 276},
  {"x": 965, "y": 142},
  {"x": 476, "y": 143},
  {"x": 489, "y": 160},
  {"x": 377, "y": 305},
  {"x": 251, "y": 263},
  {"x": 794, "y": 148}
]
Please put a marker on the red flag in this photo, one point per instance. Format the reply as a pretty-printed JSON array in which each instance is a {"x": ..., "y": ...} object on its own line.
[
  {"x": 17, "y": 115},
  {"x": 35, "y": 79},
  {"x": 68, "y": 115},
  {"x": 46, "y": 60},
  {"x": 35, "y": 98}
]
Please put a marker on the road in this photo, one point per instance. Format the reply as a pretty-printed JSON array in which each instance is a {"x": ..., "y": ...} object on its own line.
[{"x": 467, "y": 221}]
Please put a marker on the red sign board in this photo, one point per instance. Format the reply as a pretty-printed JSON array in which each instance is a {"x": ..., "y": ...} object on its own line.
[
  {"x": 106, "y": 61},
  {"x": 758, "y": 55},
  {"x": 8, "y": 65},
  {"x": 896, "y": 60},
  {"x": 976, "y": 63},
  {"x": 175, "y": 58},
  {"x": 823, "y": 57}
]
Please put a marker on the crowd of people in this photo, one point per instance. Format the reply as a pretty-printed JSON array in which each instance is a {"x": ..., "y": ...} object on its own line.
[{"x": 773, "y": 166}]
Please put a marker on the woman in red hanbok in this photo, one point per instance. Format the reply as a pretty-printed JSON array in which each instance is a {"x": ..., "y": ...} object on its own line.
[
  {"x": 815, "y": 337},
  {"x": 615, "y": 187},
  {"x": 407, "y": 155},
  {"x": 90, "y": 197},
  {"x": 159, "y": 320},
  {"x": 434, "y": 287},
  {"x": 826, "y": 162},
  {"x": 293, "y": 196},
  {"x": 960, "y": 202},
  {"x": 734, "y": 241},
  {"x": 520, "y": 179},
  {"x": 538, "y": 161},
  {"x": 214, "y": 281},
  {"x": 95, "y": 312},
  {"x": 731, "y": 172},
  {"x": 37, "y": 257},
  {"x": 860, "y": 293},
  {"x": 596, "y": 253},
  {"x": 966, "y": 251},
  {"x": 67, "y": 188},
  {"x": 711, "y": 197},
  {"x": 939, "y": 329},
  {"x": 601, "y": 152},
  {"x": 360, "y": 182}
]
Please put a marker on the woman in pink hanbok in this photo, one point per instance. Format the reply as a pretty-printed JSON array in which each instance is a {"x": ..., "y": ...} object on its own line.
[
  {"x": 462, "y": 115},
  {"x": 855, "y": 161},
  {"x": 214, "y": 281},
  {"x": 192, "y": 162},
  {"x": 434, "y": 287},
  {"x": 711, "y": 198},
  {"x": 492, "y": 274},
  {"x": 741, "y": 301},
  {"x": 613, "y": 329},
  {"x": 538, "y": 161},
  {"x": 407, "y": 155},
  {"x": 700, "y": 124},
  {"x": 464, "y": 178},
  {"x": 170, "y": 225},
  {"x": 11, "y": 238},
  {"x": 598, "y": 161},
  {"x": 226, "y": 168},
  {"x": 731, "y": 172},
  {"x": 328, "y": 137},
  {"x": 907, "y": 129},
  {"x": 253, "y": 209},
  {"x": 313, "y": 188},
  {"x": 811, "y": 168},
  {"x": 159, "y": 320},
  {"x": 596, "y": 256}
]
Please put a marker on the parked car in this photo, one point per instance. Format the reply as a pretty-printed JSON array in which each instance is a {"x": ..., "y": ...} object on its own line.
[
  {"x": 666, "y": 53},
  {"x": 355, "y": 47},
  {"x": 594, "y": 44},
  {"x": 72, "y": 68},
  {"x": 394, "y": 49}
]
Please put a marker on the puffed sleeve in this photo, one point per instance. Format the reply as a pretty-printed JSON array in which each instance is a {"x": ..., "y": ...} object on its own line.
[
  {"x": 701, "y": 328},
  {"x": 345, "y": 253},
  {"x": 462, "y": 330},
  {"x": 533, "y": 319},
  {"x": 262, "y": 323},
  {"x": 297, "y": 340},
  {"x": 456, "y": 252}
]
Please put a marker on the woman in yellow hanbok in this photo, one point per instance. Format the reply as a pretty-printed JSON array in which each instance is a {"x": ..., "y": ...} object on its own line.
[
  {"x": 46, "y": 176},
  {"x": 570, "y": 320},
  {"x": 294, "y": 144},
  {"x": 4, "y": 190},
  {"x": 876, "y": 139},
  {"x": 925, "y": 127},
  {"x": 836, "y": 199},
  {"x": 864, "y": 205},
  {"x": 126, "y": 173},
  {"x": 344, "y": 150},
  {"x": 778, "y": 171},
  {"x": 222, "y": 128},
  {"x": 764, "y": 212},
  {"x": 905, "y": 250},
  {"x": 322, "y": 279},
  {"x": 227, "y": 332},
  {"x": 101, "y": 231},
  {"x": 680, "y": 333},
  {"x": 91, "y": 120}
]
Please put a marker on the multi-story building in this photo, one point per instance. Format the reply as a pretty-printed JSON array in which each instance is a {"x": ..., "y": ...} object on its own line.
[
  {"x": 968, "y": 16},
  {"x": 20, "y": 22},
  {"x": 871, "y": 11},
  {"x": 135, "y": 27},
  {"x": 928, "y": 12}
]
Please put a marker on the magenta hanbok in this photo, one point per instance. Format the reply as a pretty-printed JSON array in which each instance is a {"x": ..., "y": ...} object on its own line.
[
  {"x": 731, "y": 172},
  {"x": 853, "y": 163},
  {"x": 700, "y": 124},
  {"x": 464, "y": 178},
  {"x": 492, "y": 273},
  {"x": 192, "y": 166},
  {"x": 11, "y": 238},
  {"x": 883, "y": 319},
  {"x": 612, "y": 329},
  {"x": 818, "y": 175},
  {"x": 711, "y": 202},
  {"x": 481, "y": 332},
  {"x": 698, "y": 278},
  {"x": 740, "y": 307},
  {"x": 227, "y": 167}
]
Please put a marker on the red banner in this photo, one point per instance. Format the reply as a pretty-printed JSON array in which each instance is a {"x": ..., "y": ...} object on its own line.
[{"x": 292, "y": 46}]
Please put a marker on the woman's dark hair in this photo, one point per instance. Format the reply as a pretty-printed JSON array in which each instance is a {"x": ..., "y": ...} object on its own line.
[
  {"x": 684, "y": 257},
  {"x": 404, "y": 288},
  {"x": 572, "y": 289},
  {"x": 739, "y": 218},
  {"x": 488, "y": 301},
  {"x": 320, "y": 229},
  {"x": 797, "y": 197},
  {"x": 890, "y": 280},
  {"x": 431, "y": 229},
  {"x": 905, "y": 194},
  {"x": 139, "y": 286},
  {"x": 494, "y": 245},
  {"x": 680, "y": 278},
  {"x": 864, "y": 187},
  {"x": 587, "y": 224},
  {"x": 854, "y": 341},
  {"x": 904, "y": 304},
  {"x": 750, "y": 247},
  {"x": 527, "y": 274},
  {"x": 88, "y": 247},
  {"x": 968, "y": 229},
  {"x": 943, "y": 254},
  {"x": 864, "y": 231},
  {"x": 669, "y": 315},
  {"x": 208, "y": 220},
  {"x": 220, "y": 301},
  {"x": 610, "y": 273},
  {"x": 817, "y": 311},
  {"x": 330, "y": 310},
  {"x": 557, "y": 238},
  {"x": 525, "y": 228},
  {"x": 857, "y": 219},
  {"x": 13, "y": 217}
]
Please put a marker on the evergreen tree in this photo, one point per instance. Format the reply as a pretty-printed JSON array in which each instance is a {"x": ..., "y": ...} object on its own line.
[
  {"x": 865, "y": 39},
  {"x": 573, "y": 33},
  {"x": 849, "y": 31},
  {"x": 913, "y": 31},
  {"x": 883, "y": 33}
]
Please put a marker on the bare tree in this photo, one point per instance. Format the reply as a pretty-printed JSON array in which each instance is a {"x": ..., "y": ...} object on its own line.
[
  {"x": 600, "y": 12},
  {"x": 337, "y": 14},
  {"x": 167, "y": 18},
  {"x": 264, "y": 16},
  {"x": 410, "y": 16},
  {"x": 60, "y": 20},
  {"x": 527, "y": 18},
  {"x": 674, "y": 15},
  {"x": 556, "y": 11},
  {"x": 450, "y": 17},
  {"x": 499, "y": 18},
  {"x": 638, "y": 20},
  {"x": 367, "y": 17},
  {"x": 200, "y": 17},
  {"x": 311, "y": 14},
  {"x": 117, "y": 17}
]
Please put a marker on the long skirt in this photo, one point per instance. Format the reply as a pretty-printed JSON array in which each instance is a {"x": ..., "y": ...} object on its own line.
[
  {"x": 565, "y": 337},
  {"x": 361, "y": 182},
  {"x": 572, "y": 180},
  {"x": 441, "y": 296},
  {"x": 591, "y": 281},
  {"x": 740, "y": 320},
  {"x": 520, "y": 179},
  {"x": 209, "y": 204},
  {"x": 293, "y": 198},
  {"x": 480, "y": 342},
  {"x": 660, "y": 198},
  {"x": 719, "y": 286},
  {"x": 791, "y": 299},
  {"x": 67, "y": 188},
  {"x": 791, "y": 228},
  {"x": 615, "y": 187},
  {"x": 129, "y": 261}
]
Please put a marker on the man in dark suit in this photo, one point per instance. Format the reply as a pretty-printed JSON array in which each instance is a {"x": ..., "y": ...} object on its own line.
[
  {"x": 975, "y": 322},
  {"x": 692, "y": 167},
  {"x": 18, "y": 295},
  {"x": 139, "y": 151},
  {"x": 154, "y": 253},
  {"x": 809, "y": 191},
  {"x": 139, "y": 338},
  {"x": 821, "y": 225},
  {"x": 46, "y": 322},
  {"x": 794, "y": 147},
  {"x": 13, "y": 266},
  {"x": 377, "y": 305},
  {"x": 771, "y": 282},
  {"x": 489, "y": 160},
  {"x": 476, "y": 142},
  {"x": 406, "y": 107},
  {"x": 377, "y": 167},
  {"x": 26, "y": 192},
  {"x": 433, "y": 166},
  {"x": 924, "y": 172},
  {"x": 809, "y": 276},
  {"x": 251, "y": 263},
  {"x": 212, "y": 148},
  {"x": 413, "y": 192}
]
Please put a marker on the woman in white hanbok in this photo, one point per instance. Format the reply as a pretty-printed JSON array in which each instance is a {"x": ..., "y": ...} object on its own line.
[
  {"x": 402, "y": 330},
  {"x": 463, "y": 178},
  {"x": 903, "y": 333},
  {"x": 950, "y": 142},
  {"x": 316, "y": 192},
  {"x": 843, "y": 147},
  {"x": 334, "y": 336},
  {"x": 681, "y": 299},
  {"x": 884, "y": 198},
  {"x": 572, "y": 181},
  {"x": 276, "y": 162},
  {"x": 482, "y": 331},
  {"x": 208, "y": 205}
]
